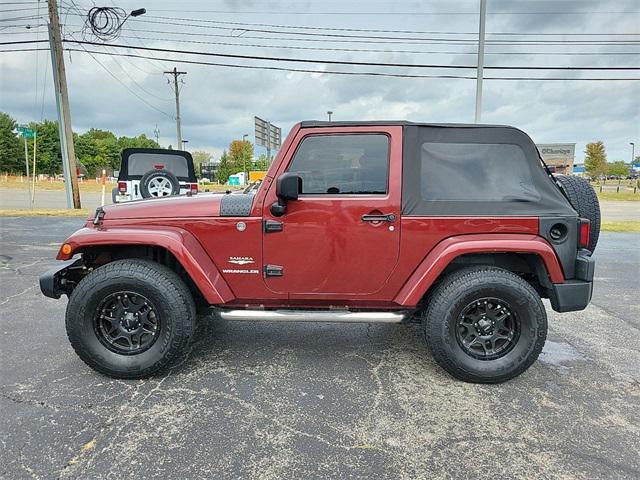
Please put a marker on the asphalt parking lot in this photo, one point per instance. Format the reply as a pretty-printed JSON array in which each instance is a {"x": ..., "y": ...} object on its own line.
[{"x": 256, "y": 400}]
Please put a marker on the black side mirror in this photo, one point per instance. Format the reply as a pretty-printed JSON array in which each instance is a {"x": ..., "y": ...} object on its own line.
[{"x": 288, "y": 187}]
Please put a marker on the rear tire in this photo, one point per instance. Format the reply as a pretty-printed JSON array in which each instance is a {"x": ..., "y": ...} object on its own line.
[
  {"x": 584, "y": 200},
  {"x": 512, "y": 325},
  {"x": 130, "y": 318}
]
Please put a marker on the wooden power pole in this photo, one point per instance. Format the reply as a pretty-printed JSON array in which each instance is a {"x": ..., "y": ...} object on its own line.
[
  {"x": 176, "y": 74},
  {"x": 64, "y": 114}
]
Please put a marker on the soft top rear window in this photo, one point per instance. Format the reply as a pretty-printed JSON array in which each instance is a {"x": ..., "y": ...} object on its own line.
[
  {"x": 141, "y": 163},
  {"x": 475, "y": 172}
]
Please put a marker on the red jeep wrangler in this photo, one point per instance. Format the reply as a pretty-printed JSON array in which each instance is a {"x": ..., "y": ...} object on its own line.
[{"x": 460, "y": 226}]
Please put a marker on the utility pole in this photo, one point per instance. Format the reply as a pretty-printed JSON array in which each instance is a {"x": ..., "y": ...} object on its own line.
[
  {"x": 268, "y": 143},
  {"x": 156, "y": 133},
  {"x": 245, "y": 138},
  {"x": 64, "y": 113},
  {"x": 483, "y": 15},
  {"x": 176, "y": 74}
]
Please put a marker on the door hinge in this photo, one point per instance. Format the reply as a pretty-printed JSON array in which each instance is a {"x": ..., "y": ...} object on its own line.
[
  {"x": 273, "y": 271},
  {"x": 270, "y": 226}
]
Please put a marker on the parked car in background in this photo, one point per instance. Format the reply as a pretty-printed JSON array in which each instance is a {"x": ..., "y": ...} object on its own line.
[{"x": 154, "y": 173}]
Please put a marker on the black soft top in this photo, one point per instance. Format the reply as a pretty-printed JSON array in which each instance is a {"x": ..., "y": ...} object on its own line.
[
  {"x": 451, "y": 169},
  {"x": 401, "y": 123}
]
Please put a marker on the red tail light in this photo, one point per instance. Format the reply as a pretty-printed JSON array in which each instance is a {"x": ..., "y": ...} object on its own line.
[
  {"x": 194, "y": 188},
  {"x": 122, "y": 187},
  {"x": 585, "y": 232}
]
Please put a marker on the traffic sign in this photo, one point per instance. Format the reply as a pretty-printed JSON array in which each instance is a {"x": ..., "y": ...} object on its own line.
[
  {"x": 267, "y": 135},
  {"x": 25, "y": 131}
]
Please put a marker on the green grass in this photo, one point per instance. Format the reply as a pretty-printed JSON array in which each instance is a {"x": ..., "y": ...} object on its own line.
[
  {"x": 622, "y": 226},
  {"x": 623, "y": 195}
]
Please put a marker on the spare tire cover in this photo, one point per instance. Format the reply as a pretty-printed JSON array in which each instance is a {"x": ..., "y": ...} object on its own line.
[
  {"x": 159, "y": 183},
  {"x": 584, "y": 200}
]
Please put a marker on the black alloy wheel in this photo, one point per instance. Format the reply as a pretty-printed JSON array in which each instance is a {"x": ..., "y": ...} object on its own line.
[
  {"x": 127, "y": 323},
  {"x": 487, "y": 329}
]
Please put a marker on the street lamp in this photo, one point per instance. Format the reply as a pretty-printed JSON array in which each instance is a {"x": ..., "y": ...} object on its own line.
[{"x": 329, "y": 113}]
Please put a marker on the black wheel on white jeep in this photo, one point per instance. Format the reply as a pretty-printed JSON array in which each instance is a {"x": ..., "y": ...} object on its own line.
[
  {"x": 159, "y": 183},
  {"x": 130, "y": 318},
  {"x": 485, "y": 325}
]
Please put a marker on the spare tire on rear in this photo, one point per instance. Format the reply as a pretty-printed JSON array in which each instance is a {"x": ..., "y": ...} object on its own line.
[
  {"x": 584, "y": 200},
  {"x": 159, "y": 183}
]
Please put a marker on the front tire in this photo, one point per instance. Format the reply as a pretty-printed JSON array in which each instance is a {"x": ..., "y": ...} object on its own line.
[
  {"x": 485, "y": 325},
  {"x": 130, "y": 318}
]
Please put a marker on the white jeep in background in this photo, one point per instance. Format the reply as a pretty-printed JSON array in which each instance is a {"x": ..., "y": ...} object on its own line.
[{"x": 154, "y": 173}]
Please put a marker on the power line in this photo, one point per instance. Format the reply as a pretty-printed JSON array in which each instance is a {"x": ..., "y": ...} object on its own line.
[
  {"x": 424, "y": 32},
  {"x": 270, "y": 12},
  {"x": 133, "y": 80},
  {"x": 333, "y": 62},
  {"x": 334, "y": 72},
  {"x": 77, "y": 9},
  {"x": 27, "y": 32},
  {"x": 367, "y": 50},
  {"x": 389, "y": 37},
  {"x": 25, "y": 17},
  {"x": 380, "y": 39},
  {"x": 83, "y": 49},
  {"x": 345, "y": 62},
  {"x": 19, "y": 10},
  {"x": 329, "y": 72},
  {"x": 324, "y": 41},
  {"x": 11, "y": 50},
  {"x": 336, "y": 49}
]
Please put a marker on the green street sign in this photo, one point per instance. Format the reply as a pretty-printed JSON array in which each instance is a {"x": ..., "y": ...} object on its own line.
[{"x": 25, "y": 131}]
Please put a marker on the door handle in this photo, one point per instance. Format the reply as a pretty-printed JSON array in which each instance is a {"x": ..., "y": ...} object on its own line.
[{"x": 390, "y": 217}]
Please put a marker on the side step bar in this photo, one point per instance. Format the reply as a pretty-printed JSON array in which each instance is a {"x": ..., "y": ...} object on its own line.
[{"x": 334, "y": 316}]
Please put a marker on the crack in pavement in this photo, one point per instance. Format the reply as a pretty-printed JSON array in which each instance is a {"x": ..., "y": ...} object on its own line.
[{"x": 6, "y": 300}]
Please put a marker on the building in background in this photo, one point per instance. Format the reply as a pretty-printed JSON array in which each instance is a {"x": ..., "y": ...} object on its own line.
[
  {"x": 209, "y": 171},
  {"x": 579, "y": 169},
  {"x": 559, "y": 157}
]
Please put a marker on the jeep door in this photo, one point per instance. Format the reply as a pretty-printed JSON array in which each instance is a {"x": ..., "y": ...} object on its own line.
[{"x": 341, "y": 238}]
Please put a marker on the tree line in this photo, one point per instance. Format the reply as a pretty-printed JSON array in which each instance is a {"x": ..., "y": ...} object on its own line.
[
  {"x": 95, "y": 150},
  {"x": 100, "y": 149},
  {"x": 597, "y": 166}
]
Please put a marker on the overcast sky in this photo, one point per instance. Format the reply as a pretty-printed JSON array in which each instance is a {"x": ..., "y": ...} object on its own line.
[{"x": 219, "y": 103}]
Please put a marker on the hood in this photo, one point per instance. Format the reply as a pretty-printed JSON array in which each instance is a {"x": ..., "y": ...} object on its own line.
[{"x": 200, "y": 205}]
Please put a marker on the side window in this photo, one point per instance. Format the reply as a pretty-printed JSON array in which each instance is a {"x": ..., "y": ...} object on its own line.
[{"x": 343, "y": 164}]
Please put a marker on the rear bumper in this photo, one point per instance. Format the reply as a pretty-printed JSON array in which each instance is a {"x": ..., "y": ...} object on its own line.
[
  {"x": 52, "y": 282},
  {"x": 574, "y": 295}
]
